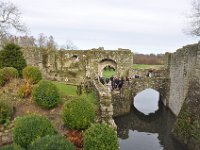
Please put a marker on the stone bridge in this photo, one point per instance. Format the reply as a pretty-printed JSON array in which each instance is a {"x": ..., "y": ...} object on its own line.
[{"x": 123, "y": 99}]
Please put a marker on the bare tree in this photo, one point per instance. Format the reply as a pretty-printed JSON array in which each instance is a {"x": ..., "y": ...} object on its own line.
[
  {"x": 195, "y": 18},
  {"x": 26, "y": 41},
  {"x": 10, "y": 19},
  {"x": 69, "y": 45},
  {"x": 42, "y": 40},
  {"x": 51, "y": 43}
]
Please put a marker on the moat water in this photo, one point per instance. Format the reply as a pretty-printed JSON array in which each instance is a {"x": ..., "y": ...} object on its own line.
[{"x": 148, "y": 125}]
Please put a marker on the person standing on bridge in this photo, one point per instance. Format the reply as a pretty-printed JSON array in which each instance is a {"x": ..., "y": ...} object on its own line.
[
  {"x": 112, "y": 82},
  {"x": 121, "y": 83}
]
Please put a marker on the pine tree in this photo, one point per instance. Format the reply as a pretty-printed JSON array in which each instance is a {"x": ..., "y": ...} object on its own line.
[{"x": 11, "y": 56}]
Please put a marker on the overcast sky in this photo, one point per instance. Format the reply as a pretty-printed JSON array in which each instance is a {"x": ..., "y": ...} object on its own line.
[{"x": 144, "y": 26}]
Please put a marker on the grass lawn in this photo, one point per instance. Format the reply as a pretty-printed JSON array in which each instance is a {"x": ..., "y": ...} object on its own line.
[
  {"x": 145, "y": 66},
  {"x": 64, "y": 89},
  {"x": 108, "y": 74},
  {"x": 70, "y": 90}
]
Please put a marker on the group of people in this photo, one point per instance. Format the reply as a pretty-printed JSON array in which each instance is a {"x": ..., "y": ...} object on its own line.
[{"x": 116, "y": 83}]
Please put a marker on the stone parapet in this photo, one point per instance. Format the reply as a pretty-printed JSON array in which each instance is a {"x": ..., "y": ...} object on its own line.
[{"x": 106, "y": 106}]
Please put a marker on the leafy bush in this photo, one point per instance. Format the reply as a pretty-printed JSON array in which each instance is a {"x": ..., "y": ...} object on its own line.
[
  {"x": 11, "y": 56},
  {"x": 45, "y": 93},
  {"x": 32, "y": 74},
  {"x": 100, "y": 137},
  {"x": 78, "y": 113},
  {"x": 6, "y": 109},
  {"x": 25, "y": 90},
  {"x": 2, "y": 77},
  {"x": 10, "y": 73},
  {"x": 29, "y": 128},
  {"x": 54, "y": 142},
  {"x": 11, "y": 147}
]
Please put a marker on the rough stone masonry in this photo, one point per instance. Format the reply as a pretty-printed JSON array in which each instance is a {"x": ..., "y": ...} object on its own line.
[{"x": 74, "y": 66}]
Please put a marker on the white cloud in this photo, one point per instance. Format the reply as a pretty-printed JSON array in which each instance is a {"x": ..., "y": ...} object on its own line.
[{"x": 145, "y": 26}]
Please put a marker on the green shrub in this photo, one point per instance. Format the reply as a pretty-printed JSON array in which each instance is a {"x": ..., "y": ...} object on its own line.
[
  {"x": 78, "y": 113},
  {"x": 11, "y": 56},
  {"x": 6, "y": 109},
  {"x": 2, "y": 77},
  {"x": 29, "y": 128},
  {"x": 11, "y": 147},
  {"x": 45, "y": 93},
  {"x": 54, "y": 142},
  {"x": 32, "y": 74},
  {"x": 10, "y": 73},
  {"x": 100, "y": 137}
]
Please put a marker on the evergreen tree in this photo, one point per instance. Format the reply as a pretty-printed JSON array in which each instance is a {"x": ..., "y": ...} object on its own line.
[{"x": 11, "y": 56}]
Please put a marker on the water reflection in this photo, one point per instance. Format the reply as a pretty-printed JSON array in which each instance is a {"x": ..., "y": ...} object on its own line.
[
  {"x": 145, "y": 103},
  {"x": 150, "y": 139},
  {"x": 137, "y": 131}
]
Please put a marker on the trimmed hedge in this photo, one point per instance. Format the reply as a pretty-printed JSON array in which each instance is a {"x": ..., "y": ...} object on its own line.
[
  {"x": 10, "y": 73},
  {"x": 29, "y": 128},
  {"x": 11, "y": 147},
  {"x": 11, "y": 56},
  {"x": 100, "y": 137},
  {"x": 32, "y": 74},
  {"x": 46, "y": 94},
  {"x": 7, "y": 73},
  {"x": 78, "y": 113},
  {"x": 2, "y": 77},
  {"x": 55, "y": 142},
  {"x": 6, "y": 109}
]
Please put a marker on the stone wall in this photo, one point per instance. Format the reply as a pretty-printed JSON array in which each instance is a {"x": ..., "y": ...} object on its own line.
[
  {"x": 181, "y": 66},
  {"x": 6, "y": 136},
  {"x": 152, "y": 72},
  {"x": 121, "y": 100},
  {"x": 74, "y": 66},
  {"x": 184, "y": 100},
  {"x": 105, "y": 102}
]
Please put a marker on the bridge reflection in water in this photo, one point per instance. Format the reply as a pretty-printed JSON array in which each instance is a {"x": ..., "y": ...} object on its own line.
[{"x": 137, "y": 131}]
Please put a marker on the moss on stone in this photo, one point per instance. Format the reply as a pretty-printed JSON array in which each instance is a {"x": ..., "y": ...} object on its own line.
[
  {"x": 183, "y": 125},
  {"x": 187, "y": 128}
]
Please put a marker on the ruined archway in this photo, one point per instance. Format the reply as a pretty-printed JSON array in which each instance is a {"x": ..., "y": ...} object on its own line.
[{"x": 104, "y": 63}]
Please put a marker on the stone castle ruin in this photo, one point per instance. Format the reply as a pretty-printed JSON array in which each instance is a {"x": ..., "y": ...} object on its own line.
[
  {"x": 74, "y": 66},
  {"x": 178, "y": 83}
]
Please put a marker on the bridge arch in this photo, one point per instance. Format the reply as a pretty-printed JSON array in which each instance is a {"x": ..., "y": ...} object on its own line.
[
  {"x": 147, "y": 101},
  {"x": 123, "y": 100},
  {"x": 106, "y": 62},
  {"x": 158, "y": 84}
]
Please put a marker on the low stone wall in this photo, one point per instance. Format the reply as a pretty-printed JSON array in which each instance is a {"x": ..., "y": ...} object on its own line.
[
  {"x": 105, "y": 102},
  {"x": 6, "y": 134},
  {"x": 152, "y": 72}
]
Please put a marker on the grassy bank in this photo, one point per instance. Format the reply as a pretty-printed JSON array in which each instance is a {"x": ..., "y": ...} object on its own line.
[
  {"x": 70, "y": 90},
  {"x": 145, "y": 66}
]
